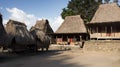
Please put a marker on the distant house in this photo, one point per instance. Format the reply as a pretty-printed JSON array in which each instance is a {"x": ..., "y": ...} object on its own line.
[
  {"x": 19, "y": 37},
  {"x": 106, "y": 22},
  {"x": 71, "y": 31},
  {"x": 43, "y": 26}
]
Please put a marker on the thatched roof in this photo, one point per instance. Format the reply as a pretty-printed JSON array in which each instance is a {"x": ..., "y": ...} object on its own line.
[
  {"x": 107, "y": 13},
  {"x": 40, "y": 31},
  {"x": 37, "y": 33},
  {"x": 72, "y": 24},
  {"x": 3, "y": 34},
  {"x": 44, "y": 26},
  {"x": 42, "y": 40},
  {"x": 19, "y": 31}
]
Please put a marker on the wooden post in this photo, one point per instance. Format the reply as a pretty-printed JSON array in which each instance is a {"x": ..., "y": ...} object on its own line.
[
  {"x": 97, "y": 30},
  {"x": 101, "y": 32},
  {"x": 114, "y": 31},
  {"x": 80, "y": 38},
  {"x": 56, "y": 39},
  {"x": 106, "y": 30},
  {"x": 62, "y": 39},
  {"x": 67, "y": 39},
  {"x": 74, "y": 39},
  {"x": 89, "y": 30},
  {"x": 111, "y": 30}
]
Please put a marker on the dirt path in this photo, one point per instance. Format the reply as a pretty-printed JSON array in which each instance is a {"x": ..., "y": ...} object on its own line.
[
  {"x": 57, "y": 58},
  {"x": 95, "y": 59}
]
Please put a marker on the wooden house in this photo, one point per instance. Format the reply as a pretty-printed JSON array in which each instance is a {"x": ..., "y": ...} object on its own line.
[
  {"x": 43, "y": 26},
  {"x": 72, "y": 31},
  {"x": 106, "y": 23}
]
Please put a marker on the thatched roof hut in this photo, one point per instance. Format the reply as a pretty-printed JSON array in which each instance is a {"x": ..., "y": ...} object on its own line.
[
  {"x": 71, "y": 31},
  {"x": 44, "y": 26},
  {"x": 3, "y": 35},
  {"x": 18, "y": 31},
  {"x": 105, "y": 23},
  {"x": 107, "y": 13},
  {"x": 72, "y": 24},
  {"x": 42, "y": 40},
  {"x": 37, "y": 33}
]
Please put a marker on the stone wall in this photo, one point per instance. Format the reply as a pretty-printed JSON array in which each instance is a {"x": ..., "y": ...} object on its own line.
[{"x": 102, "y": 45}]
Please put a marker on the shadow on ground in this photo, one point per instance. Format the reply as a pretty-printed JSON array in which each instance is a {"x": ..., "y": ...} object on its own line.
[{"x": 52, "y": 58}]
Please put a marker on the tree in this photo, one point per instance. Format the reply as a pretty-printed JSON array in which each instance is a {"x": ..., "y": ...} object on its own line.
[
  {"x": 85, "y": 8},
  {"x": 67, "y": 12}
]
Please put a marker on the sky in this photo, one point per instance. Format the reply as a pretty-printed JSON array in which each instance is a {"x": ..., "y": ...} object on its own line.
[{"x": 29, "y": 11}]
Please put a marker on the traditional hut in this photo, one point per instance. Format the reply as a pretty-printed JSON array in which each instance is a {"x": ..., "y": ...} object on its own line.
[
  {"x": 19, "y": 37},
  {"x": 106, "y": 22},
  {"x": 42, "y": 40},
  {"x": 72, "y": 31},
  {"x": 3, "y": 34},
  {"x": 44, "y": 26},
  {"x": 42, "y": 33}
]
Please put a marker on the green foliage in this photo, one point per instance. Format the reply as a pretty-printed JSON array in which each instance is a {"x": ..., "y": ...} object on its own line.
[
  {"x": 85, "y": 8},
  {"x": 67, "y": 12}
]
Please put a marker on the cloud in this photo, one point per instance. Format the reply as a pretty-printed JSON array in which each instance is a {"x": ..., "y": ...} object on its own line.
[
  {"x": 56, "y": 23},
  {"x": 20, "y": 15},
  {"x": 30, "y": 19},
  {"x": 5, "y": 21}
]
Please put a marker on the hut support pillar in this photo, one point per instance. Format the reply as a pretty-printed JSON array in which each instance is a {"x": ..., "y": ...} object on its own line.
[
  {"x": 62, "y": 39},
  {"x": 97, "y": 32},
  {"x": 114, "y": 32},
  {"x": 67, "y": 39},
  {"x": 111, "y": 30},
  {"x": 80, "y": 38},
  {"x": 106, "y": 30},
  {"x": 56, "y": 39},
  {"x": 90, "y": 30},
  {"x": 74, "y": 39}
]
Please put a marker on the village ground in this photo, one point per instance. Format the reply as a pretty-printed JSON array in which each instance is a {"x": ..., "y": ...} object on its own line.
[{"x": 60, "y": 57}]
